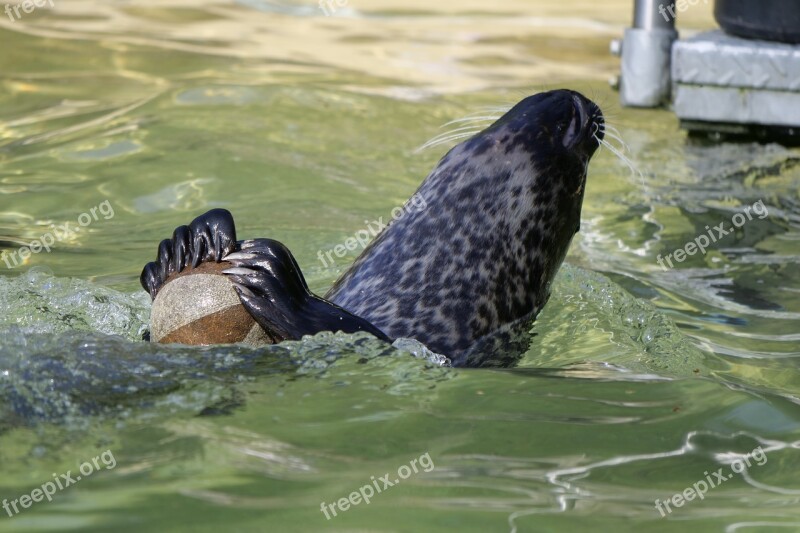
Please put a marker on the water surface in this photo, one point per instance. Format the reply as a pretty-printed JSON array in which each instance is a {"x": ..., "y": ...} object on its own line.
[{"x": 639, "y": 380}]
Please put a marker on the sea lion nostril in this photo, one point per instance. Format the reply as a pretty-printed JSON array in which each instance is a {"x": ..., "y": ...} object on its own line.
[{"x": 599, "y": 125}]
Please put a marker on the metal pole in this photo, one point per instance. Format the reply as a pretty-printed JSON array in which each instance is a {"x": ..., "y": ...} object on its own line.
[
  {"x": 646, "y": 52},
  {"x": 647, "y": 16}
]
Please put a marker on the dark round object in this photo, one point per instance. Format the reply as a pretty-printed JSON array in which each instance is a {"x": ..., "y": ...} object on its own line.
[{"x": 768, "y": 20}]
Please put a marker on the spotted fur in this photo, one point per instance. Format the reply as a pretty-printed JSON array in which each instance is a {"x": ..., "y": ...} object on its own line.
[
  {"x": 501, "y": 211},
  {"x": 466, "y": 274}
]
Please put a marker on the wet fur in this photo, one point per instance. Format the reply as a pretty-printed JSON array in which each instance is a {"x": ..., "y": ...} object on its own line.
[
  {"x": 501, "y": 211},
  {"x": 466, "y": 275}
]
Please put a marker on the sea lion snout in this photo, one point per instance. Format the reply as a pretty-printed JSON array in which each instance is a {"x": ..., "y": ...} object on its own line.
[
  {"x": 554, "y": 124},
  {"x": 586, "y": 127}
]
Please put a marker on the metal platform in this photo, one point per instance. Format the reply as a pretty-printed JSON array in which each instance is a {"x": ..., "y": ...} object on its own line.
[
  {"x": 717, "y": 84},
  {"x": 736, "y": 85}
]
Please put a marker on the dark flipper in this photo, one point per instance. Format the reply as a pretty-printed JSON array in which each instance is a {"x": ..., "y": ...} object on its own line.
[
  {"x": 272, "y": 288},
  {"x": 266, "y": 276},
  {"x": 209, "y": 237}
]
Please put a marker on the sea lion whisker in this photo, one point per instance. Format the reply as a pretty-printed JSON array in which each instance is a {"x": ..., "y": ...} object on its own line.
[
  {"x": 445, "y": 140},
  {"x": 622, "y": 157},
  {"x": 480, "y": 118},
  {"x": 615, "y": 151},
  {"x": 489, "y": 108},
  {"x": 614, "y": 133},
  {"x": 610, "y": 131},
  {"x": 456, "y": 130},
  {"x": 623, "y": 146},
  {"x": 484, "y": 115},
  {"x": 448, "y": 134},
  {"x": 442, "y": 139}
]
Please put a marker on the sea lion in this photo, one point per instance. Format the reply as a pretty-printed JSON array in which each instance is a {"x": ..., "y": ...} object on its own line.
[{"x": 465, "y": 276}]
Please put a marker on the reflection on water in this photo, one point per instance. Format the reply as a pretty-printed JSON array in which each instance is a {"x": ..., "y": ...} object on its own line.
[{"x": 639, "y": 379}]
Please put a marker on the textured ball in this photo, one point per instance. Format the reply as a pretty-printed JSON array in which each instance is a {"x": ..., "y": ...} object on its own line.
[{"x": 200, "y": 306}]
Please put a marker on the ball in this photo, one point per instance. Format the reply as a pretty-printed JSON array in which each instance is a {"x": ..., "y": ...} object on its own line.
[{"x": 200, "y": 306}]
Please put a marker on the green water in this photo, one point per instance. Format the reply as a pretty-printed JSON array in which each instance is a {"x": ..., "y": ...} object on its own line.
[{"x": 639, "y": 383}]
